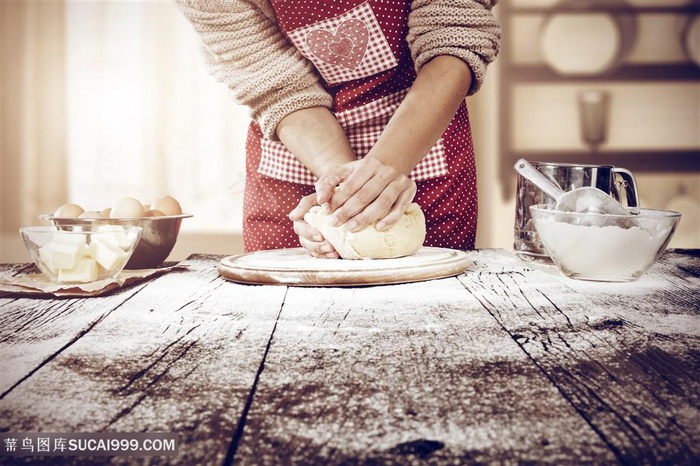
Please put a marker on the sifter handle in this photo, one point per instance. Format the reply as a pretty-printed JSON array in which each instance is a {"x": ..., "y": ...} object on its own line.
[
  {"x": 630, "y": 186},
  {"x": 529, "y": 172}
]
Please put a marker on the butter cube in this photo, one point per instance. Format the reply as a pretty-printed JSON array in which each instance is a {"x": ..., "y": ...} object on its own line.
[
  {"x": 63, "y": 251},
  {"x": 116, "y": 236},
  {"x": 85, "y": 270},
  {"x": 108, "y": 254}
]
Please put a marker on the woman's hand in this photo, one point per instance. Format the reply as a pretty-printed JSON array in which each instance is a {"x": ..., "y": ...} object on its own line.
[
  {"x": 309, "y": 237},
  {"x": 365, "y": 191},
  {"x": 358, "y": 194}
]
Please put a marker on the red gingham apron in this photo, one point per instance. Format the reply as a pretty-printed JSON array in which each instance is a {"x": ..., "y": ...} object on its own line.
[{"x": 360, "y": 51}]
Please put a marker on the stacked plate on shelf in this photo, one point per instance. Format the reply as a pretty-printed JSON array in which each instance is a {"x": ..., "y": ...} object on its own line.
[
  {"x": 579, "y": 38},
  {"x": 585, "y": 41}
]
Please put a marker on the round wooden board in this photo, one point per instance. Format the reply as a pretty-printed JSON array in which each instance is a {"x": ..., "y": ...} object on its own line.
[{"x": 295, "y": 267}]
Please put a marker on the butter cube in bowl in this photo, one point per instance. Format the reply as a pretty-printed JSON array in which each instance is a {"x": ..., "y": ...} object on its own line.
[{"x": 80, "y": 253}]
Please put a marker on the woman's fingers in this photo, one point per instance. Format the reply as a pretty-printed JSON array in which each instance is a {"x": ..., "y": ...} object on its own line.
[
  {"x": 373, "y": 192},
  {"x": 309, "y": 237},
  {"x": 312, "y": 240},
  {"x": 305, "y": 204},
  {"x": 385, "y": 209},
  {"x": 363, "y": 171},
  {"x": 401, "y": 205},
  {"x": 327, "y": 184},
  {"x": 358, "y": 194}
]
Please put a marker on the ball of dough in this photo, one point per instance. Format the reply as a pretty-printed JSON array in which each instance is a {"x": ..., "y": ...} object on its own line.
[{"x": 403, "y": 238}]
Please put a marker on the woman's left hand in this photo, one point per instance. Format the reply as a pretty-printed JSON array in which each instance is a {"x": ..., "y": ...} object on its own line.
[{"x": 309, "y": 237}]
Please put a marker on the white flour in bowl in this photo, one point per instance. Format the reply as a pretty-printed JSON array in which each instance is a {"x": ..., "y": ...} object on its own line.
[{"x": 607, "y": 253}]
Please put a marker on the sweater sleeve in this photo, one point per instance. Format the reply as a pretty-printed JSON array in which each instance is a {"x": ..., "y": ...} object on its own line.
[
  {"x": 465, "y": 29},
  {"x": 244, "y": 49}
]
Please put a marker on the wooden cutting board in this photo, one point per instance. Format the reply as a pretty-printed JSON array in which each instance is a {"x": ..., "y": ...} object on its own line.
[{"x": 295, "y": 267}]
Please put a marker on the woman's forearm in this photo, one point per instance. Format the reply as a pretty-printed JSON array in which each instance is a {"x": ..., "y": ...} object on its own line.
[
  {"x": 316, "y": 138},
  {"x": 425, "y": 113}
]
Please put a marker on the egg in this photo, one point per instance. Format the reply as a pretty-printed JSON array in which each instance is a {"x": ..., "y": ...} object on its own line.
[
  {"x": 68, "y": 211},
  {"x": 168, "y": 205},
  {"x": 91, "y": 214},
  {"x": 105, "y": 212},
  {"x": 154, "y": 213},
  {"x": 127, "y": 208}
]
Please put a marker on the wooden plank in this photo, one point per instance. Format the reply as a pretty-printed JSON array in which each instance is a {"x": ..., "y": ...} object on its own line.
[
  {"x": 180, "y": 356},
  {"x": 34, "y": 331},
  {"x": 634, "y": 378},
  {"x": 405, "y": 373}
]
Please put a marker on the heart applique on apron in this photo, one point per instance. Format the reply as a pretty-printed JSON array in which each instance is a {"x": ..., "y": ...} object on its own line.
[{"x": 345, "y": 48}]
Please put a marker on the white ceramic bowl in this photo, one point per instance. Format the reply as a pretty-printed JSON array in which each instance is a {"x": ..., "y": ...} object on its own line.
[
  {"x": 600, "y": 247},
  {"x": 158, "y": 237},
  {"x": 80, "y": 253}
]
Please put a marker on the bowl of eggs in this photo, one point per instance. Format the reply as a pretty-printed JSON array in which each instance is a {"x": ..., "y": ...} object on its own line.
[{"x": 159, "y": 221}]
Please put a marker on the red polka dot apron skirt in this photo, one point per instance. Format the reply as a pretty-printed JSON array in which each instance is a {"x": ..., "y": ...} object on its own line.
[{"x": 359, "y": 48}]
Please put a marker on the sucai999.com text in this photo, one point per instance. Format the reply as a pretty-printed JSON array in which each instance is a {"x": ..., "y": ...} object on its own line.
[{"x": 88, "y": 444}]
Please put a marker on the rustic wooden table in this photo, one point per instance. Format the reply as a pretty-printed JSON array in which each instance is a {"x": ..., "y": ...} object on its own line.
[{"x": 506, "y": 363}]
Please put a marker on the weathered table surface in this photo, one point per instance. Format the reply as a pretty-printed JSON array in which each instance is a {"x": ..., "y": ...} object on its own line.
[{"x": 507, "y": 363}]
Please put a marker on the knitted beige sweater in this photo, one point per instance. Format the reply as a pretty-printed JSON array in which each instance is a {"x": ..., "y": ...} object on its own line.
[{"x": 244, "y": 49}]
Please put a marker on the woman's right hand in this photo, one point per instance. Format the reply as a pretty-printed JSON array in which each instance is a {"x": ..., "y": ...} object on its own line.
[{"x": 363, "y": 192}]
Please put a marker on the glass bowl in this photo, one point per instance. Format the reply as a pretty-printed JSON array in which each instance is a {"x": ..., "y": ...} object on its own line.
[
  {"x": 80, "y": 253},
  {"x": 603, "y": 247},
  {"x": 158, "y": 237}
]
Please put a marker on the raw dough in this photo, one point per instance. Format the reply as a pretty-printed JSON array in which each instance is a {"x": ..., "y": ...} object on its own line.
[{"x": 404, "y": 238}]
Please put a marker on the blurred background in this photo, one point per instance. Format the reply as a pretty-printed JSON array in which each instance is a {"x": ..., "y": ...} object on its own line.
[{"x": 103, "y": 100}]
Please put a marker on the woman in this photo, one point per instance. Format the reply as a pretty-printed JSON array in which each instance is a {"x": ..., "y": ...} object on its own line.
[{"x": 357, "y": 105}]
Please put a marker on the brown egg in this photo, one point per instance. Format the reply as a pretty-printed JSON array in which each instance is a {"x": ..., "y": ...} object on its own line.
[
  {"x": 105, "y": 212},
  {"x": 168, "y": 205},
  {"x": 127, "y": 208},
  {"x": 68, "y": 211},
  {"x": 154, "y": 213}
]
